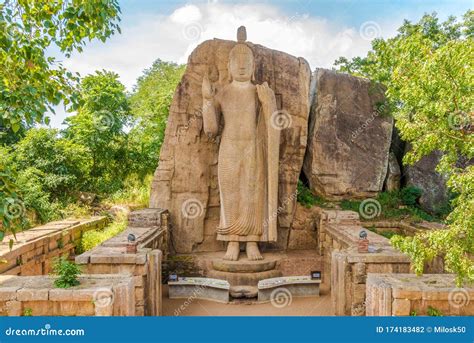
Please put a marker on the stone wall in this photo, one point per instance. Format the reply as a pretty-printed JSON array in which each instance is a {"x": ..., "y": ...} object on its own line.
[
  {"x": 408, "y": 294},
  {"x": 34, "y": 250},
  {"x": 344, "y": 268},
  {"x": 97, "y": 295},
  {"x": 150, "y": 228}
]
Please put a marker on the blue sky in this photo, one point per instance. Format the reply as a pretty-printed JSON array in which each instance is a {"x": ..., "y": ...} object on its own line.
[
  {"x": 343, "y": 11},
  {"x": 319, "y": 30}
]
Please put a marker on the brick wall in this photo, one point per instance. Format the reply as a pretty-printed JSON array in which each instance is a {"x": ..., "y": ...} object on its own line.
[{"x": 34, "y": 250}]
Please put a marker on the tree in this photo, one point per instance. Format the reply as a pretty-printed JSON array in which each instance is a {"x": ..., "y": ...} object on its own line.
[
  {"x": 428, "y": 69},
  {"x": 64, "y": 165},
  {"x": 150, "y": 104},
  {"x": 99, "y": 126},
  {"x": 31, "y": 82}
]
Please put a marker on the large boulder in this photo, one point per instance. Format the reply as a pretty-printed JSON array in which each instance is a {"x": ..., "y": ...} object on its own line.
[
  {"x": 349, "y": 137},
  {"x": 423, "y": 175},
  {"x": 185, "y": 181}
]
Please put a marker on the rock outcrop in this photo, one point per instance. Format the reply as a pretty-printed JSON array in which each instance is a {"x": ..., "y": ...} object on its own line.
[
  {"x": 424, "y": 176},
  {"x": 185, "y": 181},
  {"x": 349, "y": 137}
]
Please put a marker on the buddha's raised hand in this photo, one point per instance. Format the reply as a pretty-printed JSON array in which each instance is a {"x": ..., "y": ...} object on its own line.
[{"x": 265, "y": 94}]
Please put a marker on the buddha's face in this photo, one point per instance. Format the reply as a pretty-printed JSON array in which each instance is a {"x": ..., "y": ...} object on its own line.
[{"x": 241, "y": 65}]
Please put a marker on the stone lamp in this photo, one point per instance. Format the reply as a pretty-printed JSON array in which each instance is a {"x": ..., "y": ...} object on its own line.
[
  {"x": 132, "y": 244},
  {"x": 363, "y": 245}
]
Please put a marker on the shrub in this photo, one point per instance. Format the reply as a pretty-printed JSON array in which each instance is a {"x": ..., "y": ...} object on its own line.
[
  {"x": 91, "y": 239},
  {"x": 306, "y": 197},
  {"x": 67, "y": 273},
  {"x": 410, "y": 195},
  {"x": 434, "y": 312}
]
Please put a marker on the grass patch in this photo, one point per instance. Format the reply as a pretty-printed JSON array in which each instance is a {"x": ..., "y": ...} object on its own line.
[
  {"x": 307, "y": 198},
  {"x": 396, "y": 205},
  {"x": 93, "y": 238},
  {"x": 136, "y": 192}
]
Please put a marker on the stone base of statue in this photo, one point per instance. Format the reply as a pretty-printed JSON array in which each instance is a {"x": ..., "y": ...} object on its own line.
[{"x": 244, "y": 275}]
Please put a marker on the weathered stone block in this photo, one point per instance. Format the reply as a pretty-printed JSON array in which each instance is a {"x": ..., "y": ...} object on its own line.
[
  {"x": 401, "y": 307},
  {"x": 349, "y": 137}
]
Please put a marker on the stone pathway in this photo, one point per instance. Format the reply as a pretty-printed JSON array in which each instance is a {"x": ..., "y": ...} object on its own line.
[{"x": 308, "y": 306}]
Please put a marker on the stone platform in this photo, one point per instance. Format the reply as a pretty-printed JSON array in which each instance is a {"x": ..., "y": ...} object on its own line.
[
  {"x": 199, "y": 288},
  {"x": 290, "y": 286},
  {"x": 243, "y": 275}
]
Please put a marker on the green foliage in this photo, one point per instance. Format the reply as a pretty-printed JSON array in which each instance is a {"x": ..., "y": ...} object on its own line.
[
  {"x": 413, "y": 313},
  {"x": 428, "y": 69},
  {"x": 306, "y": 197},
  {"x": 410, "y": 195},
  {"x": 99, "y": 128},
  {"x": 67, "y": 273},
  {"x": 433, "y": 312},
  {"x": 62, "y": 165},
  {"x": 136, "y": 191},
  {"x": 150, "y": 103},
  {"x": 91, "y": 239},
  {"x": 31, "y": 82},
  {"x": 393, "y": 207},
  {"x": 27, "y": 312}
]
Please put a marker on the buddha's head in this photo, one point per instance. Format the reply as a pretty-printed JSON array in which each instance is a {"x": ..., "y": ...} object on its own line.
[{"x": 241, "y": 60}]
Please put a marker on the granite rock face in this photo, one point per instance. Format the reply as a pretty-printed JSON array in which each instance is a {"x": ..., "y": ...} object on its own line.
[
  {"x": 394, "y": 174},
  {"x": 185, "y": 181},
  {"x": 303, "y": 233},
  {"x": 424, "y": 176},
  {"x": 349, "y": 137}
]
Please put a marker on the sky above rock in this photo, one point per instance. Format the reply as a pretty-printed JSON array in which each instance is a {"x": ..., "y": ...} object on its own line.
[{"x": 319, "y": 31}]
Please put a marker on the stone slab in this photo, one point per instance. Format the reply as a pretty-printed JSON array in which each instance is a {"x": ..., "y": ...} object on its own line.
[
  {"x": 199, "y": 288},
  {"x": 287, "y": 287}
]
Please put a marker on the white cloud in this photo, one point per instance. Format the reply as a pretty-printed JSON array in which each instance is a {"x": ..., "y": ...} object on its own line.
[{"x": 173, "y": 37}]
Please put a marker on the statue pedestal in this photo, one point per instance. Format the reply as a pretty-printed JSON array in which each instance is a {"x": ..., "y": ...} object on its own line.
[{"x": 244, "y": 275}]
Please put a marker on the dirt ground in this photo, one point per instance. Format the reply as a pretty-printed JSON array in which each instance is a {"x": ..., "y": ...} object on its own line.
[{"x": 308, "y": 306}]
